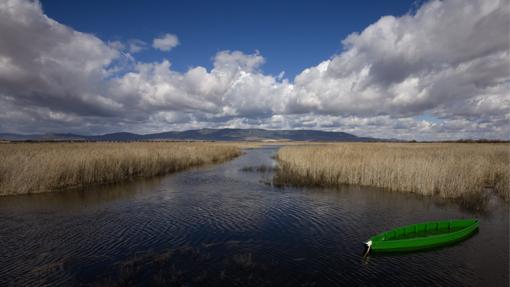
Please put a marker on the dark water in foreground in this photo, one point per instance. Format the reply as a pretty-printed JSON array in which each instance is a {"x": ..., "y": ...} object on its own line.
[{"x": 220, "y": 226}]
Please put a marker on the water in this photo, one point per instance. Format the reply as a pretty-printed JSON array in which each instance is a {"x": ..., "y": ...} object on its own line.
[{"x": 221, "y": 226}]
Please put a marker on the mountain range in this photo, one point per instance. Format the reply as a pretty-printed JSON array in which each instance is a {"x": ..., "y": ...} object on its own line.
[{"x": 200, "y": 134}]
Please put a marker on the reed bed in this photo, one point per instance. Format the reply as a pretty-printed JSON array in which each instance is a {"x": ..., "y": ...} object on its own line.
[
  {"x": 448, "y": 170},
  {"x": 43, "y": 167}
]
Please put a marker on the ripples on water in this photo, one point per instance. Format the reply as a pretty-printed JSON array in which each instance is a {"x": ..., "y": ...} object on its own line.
[{"x": 221, "y": 225}]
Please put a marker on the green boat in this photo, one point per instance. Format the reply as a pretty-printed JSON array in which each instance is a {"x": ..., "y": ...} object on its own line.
[{"x": 422, "y": 236}]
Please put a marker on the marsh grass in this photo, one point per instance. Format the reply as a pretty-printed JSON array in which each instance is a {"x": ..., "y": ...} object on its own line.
[
  {"x": 448, "y": 170},
  {"x": 43, "y": 167}
]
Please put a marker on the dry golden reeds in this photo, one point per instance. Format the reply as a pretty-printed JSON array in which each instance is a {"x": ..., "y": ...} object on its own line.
[
  {"x": 449, "y": 170},
  {"x": 42, "y": 167}
]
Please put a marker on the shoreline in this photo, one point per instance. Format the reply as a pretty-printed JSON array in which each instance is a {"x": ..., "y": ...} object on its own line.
[
  {"x": 446, "y": 170},
  {"x": 55, "y": 167}
]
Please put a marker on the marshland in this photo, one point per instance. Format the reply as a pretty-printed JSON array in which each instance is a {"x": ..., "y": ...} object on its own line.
[
  {"x": 46, "y": 167},
  {"x": 447, "y": 170},
  {"x": 209, "y": 214},
  {"x": 254, "y": 143}
]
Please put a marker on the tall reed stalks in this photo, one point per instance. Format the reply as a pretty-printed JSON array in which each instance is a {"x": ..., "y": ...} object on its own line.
[
  {"x": 449, "y": 170},
  {"x": 42, "y": 167}
]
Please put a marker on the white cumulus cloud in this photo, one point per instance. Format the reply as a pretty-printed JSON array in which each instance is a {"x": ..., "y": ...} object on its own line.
[
  {"x": 441, "y": 72},
  {"x": 166, "y": 42}
]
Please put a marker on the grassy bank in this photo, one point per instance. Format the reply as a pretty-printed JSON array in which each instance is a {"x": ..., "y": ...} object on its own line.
[
  {"x": 449, "y": 170},
  {"x": 42, "y": 167}
]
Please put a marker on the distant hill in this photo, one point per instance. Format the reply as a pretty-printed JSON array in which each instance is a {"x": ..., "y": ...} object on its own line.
[
  {"x": 39, "y": 137},
  {"x": 202, "y": 134}
]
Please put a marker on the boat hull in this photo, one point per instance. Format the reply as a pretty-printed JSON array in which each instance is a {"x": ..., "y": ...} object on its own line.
[{"x": 423, "y": 236}]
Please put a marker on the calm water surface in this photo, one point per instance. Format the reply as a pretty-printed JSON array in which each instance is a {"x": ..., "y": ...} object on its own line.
[{"x": 221, "y": 226}]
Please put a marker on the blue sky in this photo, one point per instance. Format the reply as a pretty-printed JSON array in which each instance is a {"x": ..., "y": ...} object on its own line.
[
  {"x": 291, "y": 35},
  {"x": 388, "y": 69}
]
